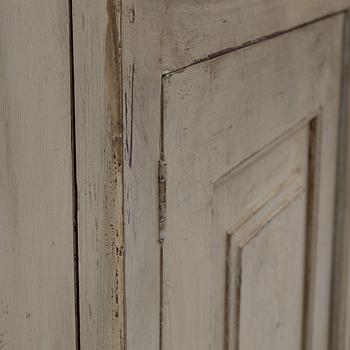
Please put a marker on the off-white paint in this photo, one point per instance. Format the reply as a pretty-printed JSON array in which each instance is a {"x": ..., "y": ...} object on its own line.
[
  {"x": 219, "y": 115},
  {"x": 237, "y": 133},
  {"x": 36, "y": 206}
]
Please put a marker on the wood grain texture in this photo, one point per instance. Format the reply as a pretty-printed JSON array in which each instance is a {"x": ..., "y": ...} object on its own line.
[
  {"x": 196, "y": 29},
  {"x": 37, "y": 309},
  {"x": 142, "y": 95},
  {"x": 217, "y": 114},
  {"x": 97, "y": 74}
]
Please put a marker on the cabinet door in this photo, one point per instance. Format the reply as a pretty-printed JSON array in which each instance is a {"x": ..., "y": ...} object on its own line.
[{"x": 249, "y": 139}]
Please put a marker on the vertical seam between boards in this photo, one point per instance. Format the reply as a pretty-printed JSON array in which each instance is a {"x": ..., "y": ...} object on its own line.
[{"x": 74, "y": 180}]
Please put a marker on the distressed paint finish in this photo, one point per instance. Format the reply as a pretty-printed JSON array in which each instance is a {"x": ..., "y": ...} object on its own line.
[
  {"x": 248, "y": 140},
  {"x": 99, "y": 159},
  {"x": 141, "y": 30},
  {"x": 219, "y": 116},
  {"x": 196, "y": 29},
  {"x": 151, "y": 44},
  {"x": 105, "y": 202},
  {"x": 37, "y": 310}
]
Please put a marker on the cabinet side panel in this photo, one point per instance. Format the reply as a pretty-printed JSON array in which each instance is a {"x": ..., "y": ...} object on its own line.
[{"x": 36, "y": 214}]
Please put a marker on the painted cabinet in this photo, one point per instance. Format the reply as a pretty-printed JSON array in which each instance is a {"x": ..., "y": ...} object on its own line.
[{"x": 174, "y": 175}]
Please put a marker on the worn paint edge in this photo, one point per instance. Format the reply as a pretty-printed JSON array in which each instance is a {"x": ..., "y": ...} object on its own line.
[
  {"x": 114, "y": 103},
  {"x": 162, "y": 160}
]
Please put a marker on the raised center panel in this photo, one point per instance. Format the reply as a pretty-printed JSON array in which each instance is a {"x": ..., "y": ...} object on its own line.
[
  {"x": 249, "y": 139},
  {"x": 261, "y": 206}
]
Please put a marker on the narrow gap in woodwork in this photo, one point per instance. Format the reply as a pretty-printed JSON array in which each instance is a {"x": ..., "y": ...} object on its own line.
[
  {"x": 250, "y": 43},
  {"x": 238, "y": 284},
  {"x": 227, "y": 292},
  {"x": 161, "y": 239},
  {"x": 132, "y": 113},
  {"x": 74, "y": 179},
  {"x": 237, "y": 293},
  {"x": 124, "y": 328},
  {"x": 340, "y": 269},
  {"x": 311, "y": 231}
]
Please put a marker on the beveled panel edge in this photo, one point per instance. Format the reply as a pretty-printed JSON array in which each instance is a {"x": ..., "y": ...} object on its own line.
[{"x": 314, "y": 142}]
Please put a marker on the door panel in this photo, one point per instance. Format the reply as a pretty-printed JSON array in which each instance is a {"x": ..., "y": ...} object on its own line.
[{"x": 250, "y": 146}]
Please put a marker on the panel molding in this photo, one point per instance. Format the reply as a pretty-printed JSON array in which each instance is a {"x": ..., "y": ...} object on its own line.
[
  {"x": 313, "y": 117},
  {"x": 239, "y": 247},
  {"x": 238, "y": 237}
]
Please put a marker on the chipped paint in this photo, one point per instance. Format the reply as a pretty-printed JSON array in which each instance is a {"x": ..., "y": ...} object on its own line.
[{"x": 113, "y": 163}]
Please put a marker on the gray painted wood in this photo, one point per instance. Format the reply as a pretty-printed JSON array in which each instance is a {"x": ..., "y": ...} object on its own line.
[
  {"x": 266, "y": 245},
  {"x": 144, "y": 27},
  {"x": 271, "y": 305},
  {"x": 245, "y": 115},
  {"x": 141, "y": 46},
  {"x": 219, "y": 115},
  {"x": 37, "y": 309},
  {"x": 196, "y": 29},
  {"x": 97, "y": 73},
  {"x": 340, "y": 321}
]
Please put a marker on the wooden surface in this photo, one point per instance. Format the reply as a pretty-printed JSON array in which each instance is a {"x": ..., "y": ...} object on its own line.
[
  {"x": 196, "y": 29},
  {"x": 141, "y": 101},
  {"x": 220, "y": 115},
  {"x": 265, "y": 199},
  {"x": 340, "y": 321},
  {"x": 254, "y": 108},
  {"x": 272, "y": 281},
  {"x": 97, "y": 80},
  {"x": 266, "y": 251},
  {"x": 37, "y": 309}
]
